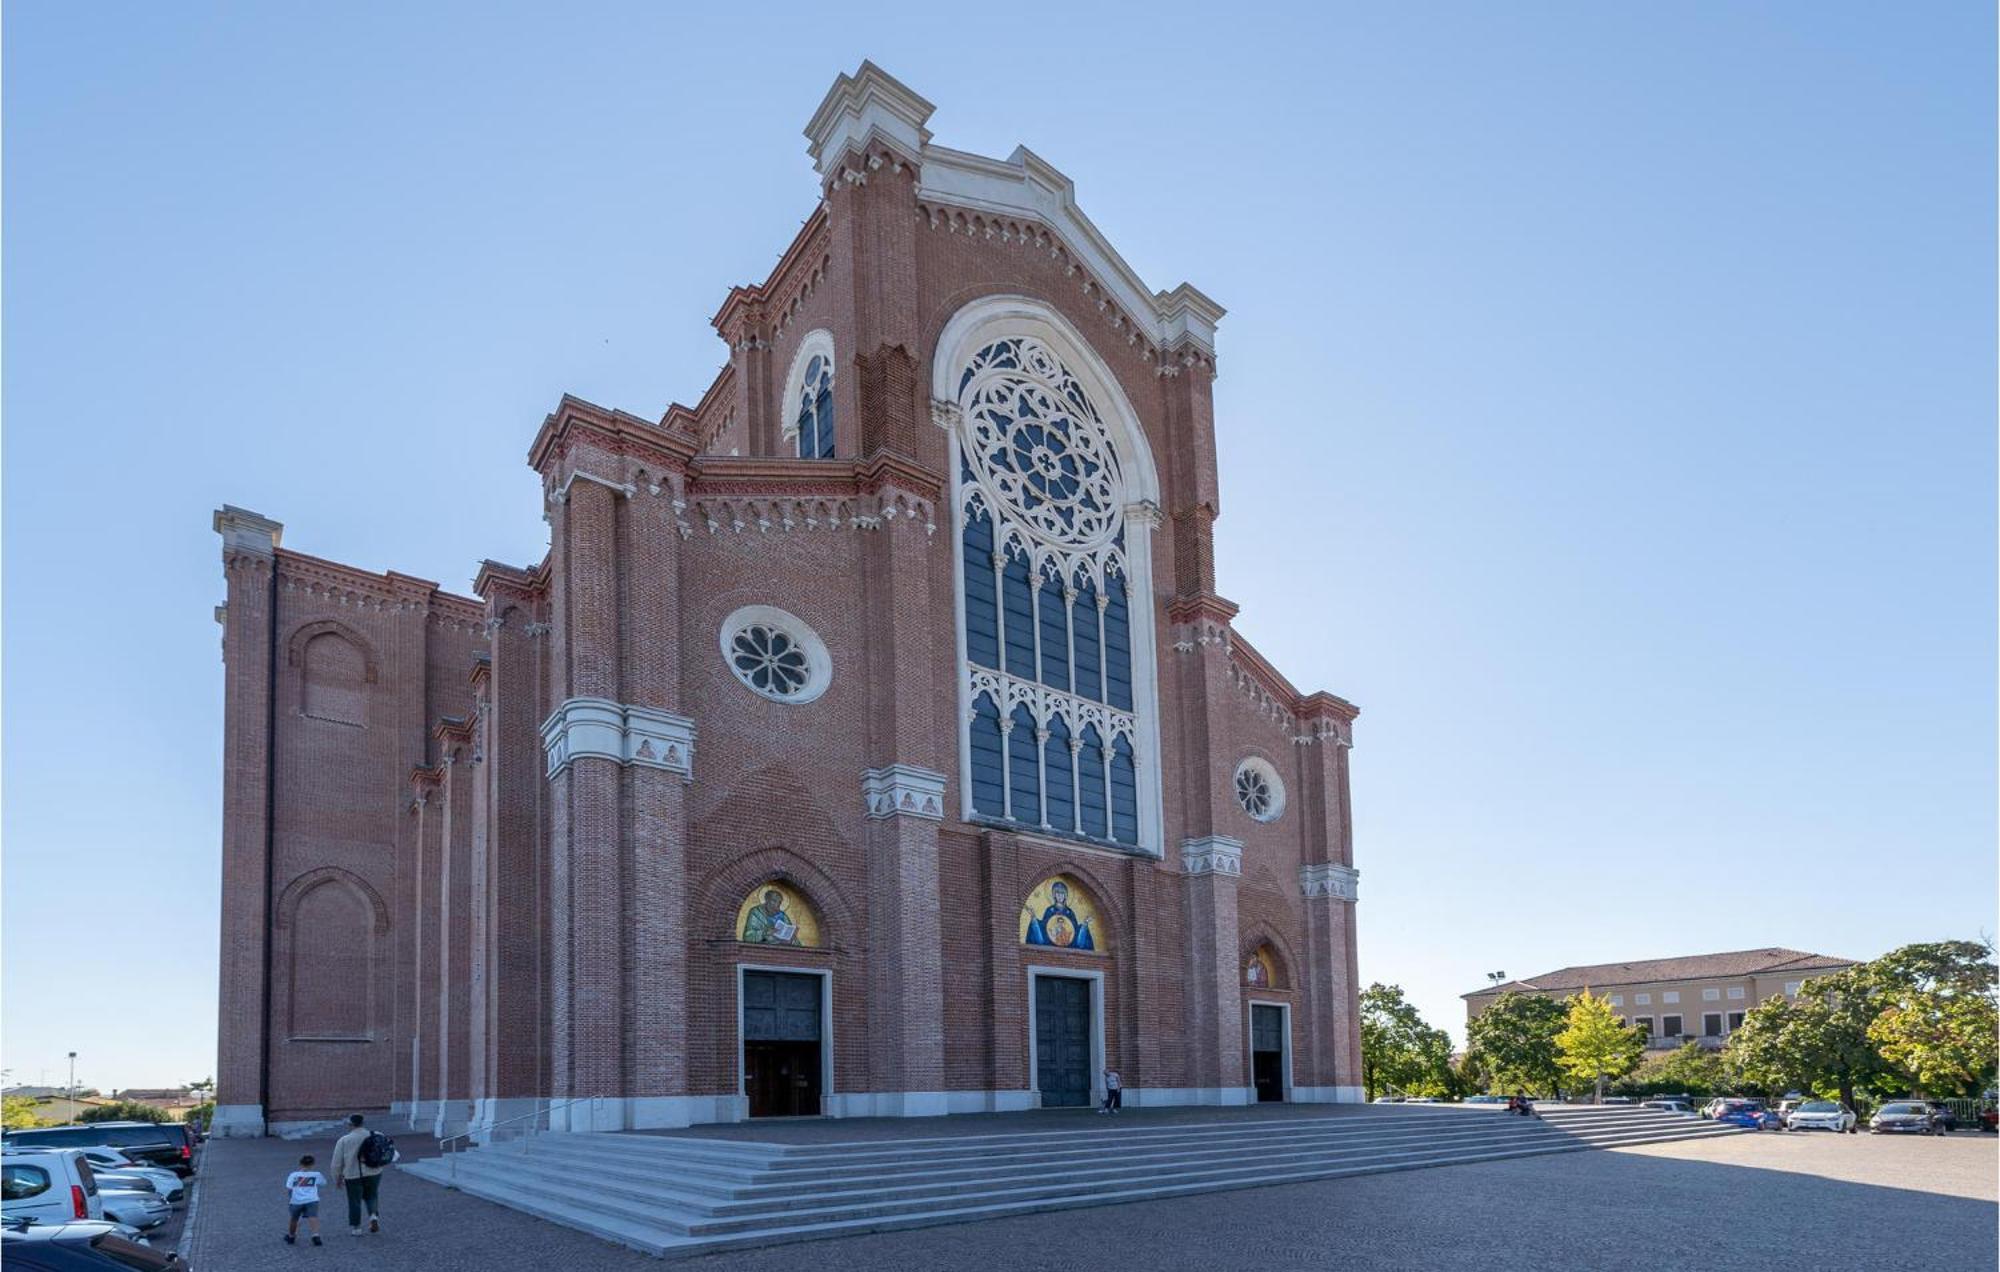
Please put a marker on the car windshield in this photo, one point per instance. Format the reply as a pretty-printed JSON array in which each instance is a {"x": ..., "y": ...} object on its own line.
[
  {"x": 1902, "y": 1108},
  {"x": 1819, "y": 1106},
  {"x": 123, "y": 1253}
]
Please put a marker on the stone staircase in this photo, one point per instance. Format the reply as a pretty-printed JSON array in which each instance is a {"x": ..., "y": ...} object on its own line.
[{"x": 674, "y": 1195}]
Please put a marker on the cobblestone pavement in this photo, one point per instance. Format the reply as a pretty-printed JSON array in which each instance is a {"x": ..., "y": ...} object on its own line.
[{"x": 1762, "y": 1202}]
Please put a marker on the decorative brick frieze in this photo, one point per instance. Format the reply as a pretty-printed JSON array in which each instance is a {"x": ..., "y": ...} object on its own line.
[
  {"x": 1212, "y": 854},
  {"x": 1330, "y": 879},
  {"x": 903, "y": 790},
  {"x": 629, "y": 735}
]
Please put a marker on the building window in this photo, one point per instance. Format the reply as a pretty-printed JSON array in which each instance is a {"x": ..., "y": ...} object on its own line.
[
  {"x": 1670, "y": 1026},
  {"x": 1050, "y": 604},
  {"x": 1644, "y": 1024},
  {"x": 808, "y": 402},
  {"x": 1735, "y": 1021},
  {"x": 775, "y": 655},
  {"x": 1736, "y": 991},
  {"x": 1642, "y": 999},
  {"x": 1617, "y": 1000},
  {"x": 1671, "y": 996},
  {"x": 1259, "y": 790},
  {"x": 1711, "y": 995},
  {"x": 1792, "y": 987},
  {"x": 1711, "y": 1025}
]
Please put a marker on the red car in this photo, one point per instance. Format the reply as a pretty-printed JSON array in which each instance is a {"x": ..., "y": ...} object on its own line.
[{"x": 1989, "y": 1119}]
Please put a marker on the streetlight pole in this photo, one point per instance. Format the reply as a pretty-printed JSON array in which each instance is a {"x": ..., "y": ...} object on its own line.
[{"x": 72, "y": 1086}]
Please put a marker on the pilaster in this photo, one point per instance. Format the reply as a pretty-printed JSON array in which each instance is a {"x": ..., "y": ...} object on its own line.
[
  {"x": 248, "y": 615},
  {"x": 1333, "y": 1006},
  {"x": 427, "y": 805},
  {"x": 905, "y": 807},
  {"x": 454, "y": 954},
  {"x": 1212, "y": 864}
]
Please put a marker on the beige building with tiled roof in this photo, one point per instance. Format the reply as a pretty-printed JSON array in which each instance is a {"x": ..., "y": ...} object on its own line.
[{"x": 1702, "y": 997}]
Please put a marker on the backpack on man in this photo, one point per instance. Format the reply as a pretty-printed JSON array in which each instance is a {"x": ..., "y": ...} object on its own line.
[{"x": 377, "y": 1152}]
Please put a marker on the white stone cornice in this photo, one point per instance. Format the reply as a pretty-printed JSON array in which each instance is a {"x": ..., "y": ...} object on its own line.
[
  {"x": 1330, "y": 879},
  {"x": 903, "y": 790},
  {"x": 946, "y": 415},
  {"x": 1212, "y": 854},
  {"x": 600, "y": 728},
  {"x": 871, "y": 108},
  {"x": 247, "y": 532},
  {"x": 868, "y": 106}
]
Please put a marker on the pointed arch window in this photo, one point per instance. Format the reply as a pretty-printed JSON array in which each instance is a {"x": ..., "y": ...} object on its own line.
[
  {"x": 807, "y": 408},
  {"x": 1048, "y": 620}
]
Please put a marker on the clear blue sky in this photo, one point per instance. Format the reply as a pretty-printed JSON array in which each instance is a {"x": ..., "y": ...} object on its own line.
[{"x": 1607, "y": 406}]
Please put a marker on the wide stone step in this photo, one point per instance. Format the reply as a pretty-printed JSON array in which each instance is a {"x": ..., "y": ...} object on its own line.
[
  {"x": 664, "y": 1196},
  {"x": 860, "y": 1167},
  {"x": 1121, "y": 1170}
]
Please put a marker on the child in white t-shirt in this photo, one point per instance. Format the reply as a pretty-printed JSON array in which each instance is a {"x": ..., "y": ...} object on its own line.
[{"x": 302, "y": 1189}]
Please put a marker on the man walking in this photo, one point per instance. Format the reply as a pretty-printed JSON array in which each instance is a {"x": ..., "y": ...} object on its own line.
[{"x": 352, "y": 1171}]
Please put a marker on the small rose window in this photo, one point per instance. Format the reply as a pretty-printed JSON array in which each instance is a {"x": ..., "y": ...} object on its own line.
[
  {"x": 1259, "y": 791},
  {"x": 775, "y": 655}
]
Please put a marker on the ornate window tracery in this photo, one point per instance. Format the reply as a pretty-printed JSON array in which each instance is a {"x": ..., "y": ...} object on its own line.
[
  {"x": 775, "y": 655},
  {"x": 1260, "y": 792},
  {"x": 1052, "y": 727}
]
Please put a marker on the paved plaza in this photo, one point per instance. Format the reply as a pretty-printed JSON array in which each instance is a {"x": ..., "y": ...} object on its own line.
[{"x": 1744, "y": 1202}]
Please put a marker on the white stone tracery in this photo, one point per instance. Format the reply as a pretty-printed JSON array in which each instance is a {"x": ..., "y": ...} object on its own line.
[{"x": 1056, "y": 477}]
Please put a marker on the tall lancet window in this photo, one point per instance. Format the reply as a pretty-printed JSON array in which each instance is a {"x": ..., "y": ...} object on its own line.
[
  {"x": 808, "y": 404},
  {"x": 1052, "y": 729}
]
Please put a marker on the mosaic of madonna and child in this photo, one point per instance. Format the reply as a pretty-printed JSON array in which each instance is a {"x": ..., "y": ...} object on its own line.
[{"x": 1059, "y": 913}]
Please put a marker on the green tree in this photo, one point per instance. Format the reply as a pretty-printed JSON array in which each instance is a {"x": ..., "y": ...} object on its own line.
[
  {"x": 1690, "y": 1069},
  {"x": 1818, "y": 1039},
  {"x": 1398, "y": 1049},
  {"x": 1935, "y": 1020},
  {"x": 123, "y": 1111},
  {"x": 17, "y": 1112},
  {"x": 1594, "y": 1045},
  {"x": 1515, "y": 1040}
]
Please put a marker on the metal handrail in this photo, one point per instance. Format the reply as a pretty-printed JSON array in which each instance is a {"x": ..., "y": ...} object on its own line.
[{"x": 530, "y": 1117}]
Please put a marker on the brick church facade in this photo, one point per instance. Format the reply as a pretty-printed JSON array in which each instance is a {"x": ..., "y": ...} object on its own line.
[{"x": 872, "y": 741}]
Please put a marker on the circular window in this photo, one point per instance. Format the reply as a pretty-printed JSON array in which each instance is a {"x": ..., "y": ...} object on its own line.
[
  {"x": 776, "y": 655},
  {"x": 1259, "y": 790}
]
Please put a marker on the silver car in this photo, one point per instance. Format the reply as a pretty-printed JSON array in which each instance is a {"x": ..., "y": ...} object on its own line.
[
  {"x": 104, "y": 1159},
  {"x": 128, "y": 1205}
]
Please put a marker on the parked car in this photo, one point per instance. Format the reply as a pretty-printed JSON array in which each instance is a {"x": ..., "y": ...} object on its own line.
[
  {"x": 154, "y": 1143},
  {"x": 1905, "y": 1117},
  {"x": 1484, "y": 1099},
  {"x": 1989, "y": 1119},
  {"x": 1724, "y": 1103},
  {"x": 1678, "y": 1107},
  {"x": 1757, "y": 1119},
  {"x": 1618, "y": 1099},
  {"x": 1820, "y": 1115},
  {"x": 48, "y": 1185},
  {"x": 142, "y": 1210},
  {"x": 1942, "y": 1117},
  {"x": 104, "y": 1158},
  {"x": 1388, "y": 1099},
  {"x": 1785, "y": 1109},
  {"x": 82, "y": 1246}
]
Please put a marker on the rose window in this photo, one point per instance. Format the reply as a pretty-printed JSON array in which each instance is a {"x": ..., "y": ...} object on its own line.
[
  {"x": 775, "y": 654},
  {"x": 1034, "y": 441},
  {"x": 1259, "y": 791}
]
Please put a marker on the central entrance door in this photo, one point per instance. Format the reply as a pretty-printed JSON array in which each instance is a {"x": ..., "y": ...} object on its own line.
[
  {"x": 781, "y": 1044},
  {"x": 1062, "y": 1041},
  {"x": 1267, "y": 1051}
]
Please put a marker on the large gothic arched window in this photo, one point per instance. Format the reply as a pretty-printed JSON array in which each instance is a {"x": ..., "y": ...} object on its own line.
[{"x": 1053, "y": 729}]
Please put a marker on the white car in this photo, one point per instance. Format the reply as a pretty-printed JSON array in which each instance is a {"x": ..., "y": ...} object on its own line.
[
  {"x": 48, "y": 1185},
  {"x": 1820, "y": 1115},
  {"x": 1676, "y": 1107},
  {"x": 165, "y": 1182}
]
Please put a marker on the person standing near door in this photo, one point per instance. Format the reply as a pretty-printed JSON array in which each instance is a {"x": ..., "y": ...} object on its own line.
[{"x": 1114, "y": 1093}]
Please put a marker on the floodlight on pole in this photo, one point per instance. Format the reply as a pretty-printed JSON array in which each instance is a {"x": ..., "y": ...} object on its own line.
[{"x": 1496, "y": 977}]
